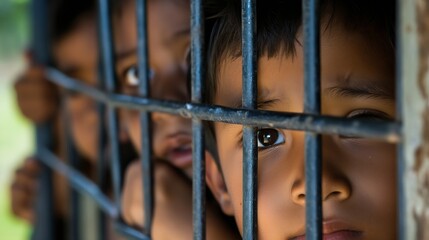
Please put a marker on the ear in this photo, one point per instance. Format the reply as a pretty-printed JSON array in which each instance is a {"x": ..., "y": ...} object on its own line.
[{"x": 217, "y": 185}]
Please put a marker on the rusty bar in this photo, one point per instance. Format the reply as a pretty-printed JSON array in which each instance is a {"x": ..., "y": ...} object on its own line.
[{"x": 414, "y": 52}]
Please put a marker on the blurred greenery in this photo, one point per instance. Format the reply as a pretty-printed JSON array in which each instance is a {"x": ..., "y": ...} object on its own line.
[
  {"x": 16, "y": 135},
  {"x": 14, "y": 31}
]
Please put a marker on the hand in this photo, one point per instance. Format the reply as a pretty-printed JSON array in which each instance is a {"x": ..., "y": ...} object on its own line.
[
  {"x": 24, "y": 190},
  {"x": 173, "y": 202},
  {"x": 37, "y": 98}
]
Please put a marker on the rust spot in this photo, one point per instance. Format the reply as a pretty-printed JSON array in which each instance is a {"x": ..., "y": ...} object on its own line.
[
  {"x": 408, "y": 29},
  {"x": 421, "y": 164}
]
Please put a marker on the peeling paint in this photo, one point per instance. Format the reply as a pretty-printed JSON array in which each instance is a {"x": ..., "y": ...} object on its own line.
[{"x": 421, "y": 164}]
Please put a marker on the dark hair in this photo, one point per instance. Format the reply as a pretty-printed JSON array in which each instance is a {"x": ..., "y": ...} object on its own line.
[
  {"x": 278, "y": 24},
  {"x": 65, "y": 14}
]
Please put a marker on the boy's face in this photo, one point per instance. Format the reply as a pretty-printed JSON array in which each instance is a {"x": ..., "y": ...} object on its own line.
[
  {"x": 359, "y": 180},
  {"x": 76, "y": 55},
  {"x": 169, "y": 42}
]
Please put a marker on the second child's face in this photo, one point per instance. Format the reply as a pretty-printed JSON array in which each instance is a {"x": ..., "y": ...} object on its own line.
[
  {"x": 169, "y": 42},
  {"x": 359, "y": 175},
  {"x": 76, "y": 55}
]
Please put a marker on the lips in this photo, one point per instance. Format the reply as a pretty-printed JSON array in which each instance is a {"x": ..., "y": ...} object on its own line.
[
  {"x": 178, "y": 150},
  {"x": 336, "y": 230},
  {"x": 181, "y": 156}
]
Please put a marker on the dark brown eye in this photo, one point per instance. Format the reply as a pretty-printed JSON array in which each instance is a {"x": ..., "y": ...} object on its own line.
[{"x": 269, "y": 137}]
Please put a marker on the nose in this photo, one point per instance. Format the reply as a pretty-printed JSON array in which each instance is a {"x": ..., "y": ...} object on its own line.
[{"x": 335, "y": 184}]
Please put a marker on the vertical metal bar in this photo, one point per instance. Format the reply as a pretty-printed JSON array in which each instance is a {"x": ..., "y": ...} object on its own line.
[
  {"x": 145, "y": 117},
  {"x": 43, "y": 228},
  {"x": 107, "y": 49},
  {"x": 250, "y": 150},
  {"x": 198, "y": 74},
  {"x": 414, "y": 53},
  {"x": 72, "y": 160},
  {"x": 101, "y": 162},
  {"x": 313, "y": 153}
]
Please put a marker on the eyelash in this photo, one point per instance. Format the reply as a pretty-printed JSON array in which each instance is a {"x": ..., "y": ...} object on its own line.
[{"x": 366, "y": 114}]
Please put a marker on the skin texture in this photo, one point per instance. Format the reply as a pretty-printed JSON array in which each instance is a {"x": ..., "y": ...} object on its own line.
[
  {"x": 359, "y": 175},
  {"x": 169, "y": 43}
]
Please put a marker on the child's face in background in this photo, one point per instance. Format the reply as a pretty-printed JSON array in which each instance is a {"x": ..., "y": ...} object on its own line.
[
  {"x": 359, "y": 175},
  {"x": 169, "y": 43},
  {"x": 76, "y": 55}
]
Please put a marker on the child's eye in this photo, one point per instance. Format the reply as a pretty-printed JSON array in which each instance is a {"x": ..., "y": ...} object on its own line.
[
  {"x": 269, "y": 137},
  {"x": 367, "y": 114},
  {"x": 132, "y": 76}
]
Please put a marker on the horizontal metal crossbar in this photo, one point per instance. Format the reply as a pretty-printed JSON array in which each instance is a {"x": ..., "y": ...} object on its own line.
[
  {"x": 79, "y": 182},
  {"x": 384, "y": 130},
  {"x": 130, "y": 232}
]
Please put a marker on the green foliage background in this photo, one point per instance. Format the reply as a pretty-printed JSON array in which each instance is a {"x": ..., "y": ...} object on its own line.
[{"x": 16, "y": 134}]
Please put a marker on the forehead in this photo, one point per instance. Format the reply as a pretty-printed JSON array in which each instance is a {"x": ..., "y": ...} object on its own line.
[
  {"x": 164, "y": 18},
  {"x": 343, "y": 53},
  {"x": 78, "y": 49}
]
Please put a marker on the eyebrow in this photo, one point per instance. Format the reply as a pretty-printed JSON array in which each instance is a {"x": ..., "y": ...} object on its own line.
[
  {"x": 263, "y": 102},
  {"x": 369, "y": 91},
  {"x": 125, "y": 54},
  {"x": 181, "y": 32},
  {"x": 130, "y": 52},
  {"x": 178, "y": 34}
]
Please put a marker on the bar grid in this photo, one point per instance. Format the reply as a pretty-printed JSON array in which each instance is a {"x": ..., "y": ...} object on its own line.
[{"x": 310, "y": 121}]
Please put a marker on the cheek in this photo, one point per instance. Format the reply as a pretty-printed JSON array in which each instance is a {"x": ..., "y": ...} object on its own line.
[
  {"x": 231, "y": 163},
  {"x": 374, "y": 180},
  {"x": 131, "y": 120},
  {"x": 383, "y": 173},
  {"x": 84, "y": 121}
]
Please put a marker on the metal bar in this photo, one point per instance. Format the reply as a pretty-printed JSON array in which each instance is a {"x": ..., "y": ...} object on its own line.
[
  {"x": 383, "y": 130},
  {"x": 145, "y": 117},
  {"x": 101, "y": 162},
  {"x": 43, "y": 228},
  {"x": 250, "y": 150},
  {"x": 414, "y": 172},
  {"x": 129, "y": 232},
  {"x": 312, "y": 105},
  {"x": 79, "y": 182},
  {"x": 110, "y": 83},
  {"x": 198, "y": 74},
  {"x": 73, "y": 161}
]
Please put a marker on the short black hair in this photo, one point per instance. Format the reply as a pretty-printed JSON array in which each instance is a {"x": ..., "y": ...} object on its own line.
[
  {"x": 65, "y": 14},
  {"x": 278, "y": 24}
]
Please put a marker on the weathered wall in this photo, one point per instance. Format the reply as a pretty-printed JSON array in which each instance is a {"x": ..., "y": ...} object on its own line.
[{"x": 414, "y": 25}]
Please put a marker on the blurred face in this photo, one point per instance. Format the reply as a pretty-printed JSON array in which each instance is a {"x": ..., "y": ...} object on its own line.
[
  {"x": 76, "y": 55},
  {"x": 359, "y": 190},
  {"x": 169, "y": 42}
]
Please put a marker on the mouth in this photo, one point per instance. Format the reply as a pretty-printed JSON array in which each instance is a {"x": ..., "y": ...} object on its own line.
[
  {"x": 336, "y": 230},
  {"x": 181, "y": 156}
]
